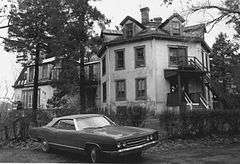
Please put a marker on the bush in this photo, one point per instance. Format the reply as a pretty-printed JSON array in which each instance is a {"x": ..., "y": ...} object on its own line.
[{"x": 200, "y": 123}]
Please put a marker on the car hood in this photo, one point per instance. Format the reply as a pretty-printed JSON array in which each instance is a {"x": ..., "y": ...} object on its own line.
[{"x": 120, "y": 132}]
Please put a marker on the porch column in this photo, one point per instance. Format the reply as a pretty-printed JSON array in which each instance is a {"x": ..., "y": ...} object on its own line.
[{"x": 179, "y": 90}]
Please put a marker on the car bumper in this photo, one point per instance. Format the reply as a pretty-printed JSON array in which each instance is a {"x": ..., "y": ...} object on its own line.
[{"x": 131, "y": 150}]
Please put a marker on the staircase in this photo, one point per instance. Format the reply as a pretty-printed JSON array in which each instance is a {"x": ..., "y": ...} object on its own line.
[
  {"x": 213, "y": 86},
  {"x": 202, "y": 105}
]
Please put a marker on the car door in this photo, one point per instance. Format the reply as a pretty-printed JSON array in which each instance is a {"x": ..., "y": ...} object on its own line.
[{"x": 67, "y": 136}]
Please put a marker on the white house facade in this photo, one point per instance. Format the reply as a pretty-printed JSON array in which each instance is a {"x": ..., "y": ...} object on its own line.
[{"x": 154, "y": 63}]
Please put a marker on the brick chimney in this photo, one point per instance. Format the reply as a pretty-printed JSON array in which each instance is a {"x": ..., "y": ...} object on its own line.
[
  {"x": 145, "y": 15},
  {"x": 157, "y": 20}
]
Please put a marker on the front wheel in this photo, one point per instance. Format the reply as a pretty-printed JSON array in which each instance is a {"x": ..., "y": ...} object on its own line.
[{"x": 95, "y": 155}]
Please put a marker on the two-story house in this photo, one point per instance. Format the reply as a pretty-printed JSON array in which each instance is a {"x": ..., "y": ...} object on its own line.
[
  {"x": 161, "y": 64},
  {"x": 49, "y": 73}
]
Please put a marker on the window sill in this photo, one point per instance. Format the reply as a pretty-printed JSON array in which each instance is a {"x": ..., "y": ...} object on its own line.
[
  {"x": 141, "y": 98},
  {"x": 140, "y": 66},
  {"x": 119, "y": 69}
]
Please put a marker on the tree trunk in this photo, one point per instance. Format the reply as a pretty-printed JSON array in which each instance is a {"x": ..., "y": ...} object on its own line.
[
  {"x": 35, "y": 86},
  {"x": 82, "y": 80}
]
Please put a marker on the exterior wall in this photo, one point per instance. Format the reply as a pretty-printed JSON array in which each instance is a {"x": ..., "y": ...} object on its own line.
[
  {"x": 46, "y": 92},
  {"x": 157, "y": 59}
]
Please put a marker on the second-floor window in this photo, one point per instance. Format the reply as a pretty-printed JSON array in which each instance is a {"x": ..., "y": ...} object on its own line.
[
  {"x": 31, "y": 74},
  {"x": 44, "y": 71},
  {"x": 140, "y": 56},
  {"x": 129, "y": 30},
  {"x": 177, "y": 56},
  {"x": 119, "y": 59},
  {"x": 120, "y": 90},
  {"x": 104, "y": 88},
  {"x": 141, "y": 89},
  {"x": 104, "y": 65}
]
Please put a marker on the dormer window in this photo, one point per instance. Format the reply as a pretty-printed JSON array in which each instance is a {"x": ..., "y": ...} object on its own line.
[
  {"x": 175, "y": 28},
  {"x": 129, "y": 30}
]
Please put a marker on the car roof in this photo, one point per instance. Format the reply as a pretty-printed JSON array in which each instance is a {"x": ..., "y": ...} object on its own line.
[
  {"x": 72, "y": 117},
  {"x": 78, "y": 116}
]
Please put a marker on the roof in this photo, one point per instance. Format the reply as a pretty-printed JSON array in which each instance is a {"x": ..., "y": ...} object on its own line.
[
  {"x": 195, "y": 27},
  {"x": 170, "y": 18},
  {"x": 77, "y": 116},
  {"x": 133, "y": 20},
  {"x": 112, "y": 32}
]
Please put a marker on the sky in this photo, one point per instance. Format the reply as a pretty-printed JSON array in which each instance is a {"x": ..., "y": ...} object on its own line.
[{"x": 116, "y": 11}]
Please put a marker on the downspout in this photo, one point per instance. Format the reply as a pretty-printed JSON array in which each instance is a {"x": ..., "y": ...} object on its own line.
[{"x": 109, "y": 78}]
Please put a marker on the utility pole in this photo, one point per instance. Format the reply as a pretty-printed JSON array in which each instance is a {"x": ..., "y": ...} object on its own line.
[{"x": 35, "y": 86}]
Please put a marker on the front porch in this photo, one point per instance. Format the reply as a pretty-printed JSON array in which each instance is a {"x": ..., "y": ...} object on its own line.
[{"x": 186, "y": 87}]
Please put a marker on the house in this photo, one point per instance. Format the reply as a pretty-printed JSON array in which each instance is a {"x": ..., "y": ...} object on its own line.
[
  {"x": 160, "y": 64},
  {"x": 49, "y": 73}
]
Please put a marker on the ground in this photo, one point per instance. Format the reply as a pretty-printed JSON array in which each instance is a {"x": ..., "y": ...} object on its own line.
[{"x": 183, "y": 151}]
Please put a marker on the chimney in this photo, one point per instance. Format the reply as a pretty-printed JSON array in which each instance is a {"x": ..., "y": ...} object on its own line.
[
  {"x": 157, "y": 20},
  {"x": 145, "y": 15}
]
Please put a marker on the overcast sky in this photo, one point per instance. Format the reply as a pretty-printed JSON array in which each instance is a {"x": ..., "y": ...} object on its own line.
[{"x": 116, "y": 11}]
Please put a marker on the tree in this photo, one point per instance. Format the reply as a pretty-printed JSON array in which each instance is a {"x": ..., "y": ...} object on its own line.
[
  {"x": 225, "y": 58},
  {"x": 80, "y": 33},
  {"x": 34, "y": 25}
]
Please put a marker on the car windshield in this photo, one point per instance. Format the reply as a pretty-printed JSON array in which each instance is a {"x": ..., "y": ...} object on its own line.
[{"x": 93, "y": 122}]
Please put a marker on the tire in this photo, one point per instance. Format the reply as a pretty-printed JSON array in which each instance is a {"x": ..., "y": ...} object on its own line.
[
  {"x": 44, "y": 145},
  {"x": 138, "y": 155},
  {"x": 94, "y": 154}
]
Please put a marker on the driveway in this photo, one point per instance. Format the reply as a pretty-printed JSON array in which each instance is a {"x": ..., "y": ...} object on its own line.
[{"x": 209, "y": 155}]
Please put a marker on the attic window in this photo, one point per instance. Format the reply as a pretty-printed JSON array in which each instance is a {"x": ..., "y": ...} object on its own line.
[
  {"x": 176, "y": 28},
  {"x": 129, "y": 30}
]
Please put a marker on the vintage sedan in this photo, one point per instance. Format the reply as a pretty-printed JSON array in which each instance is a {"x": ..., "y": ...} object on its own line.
[{"x": 95, "y": 135}]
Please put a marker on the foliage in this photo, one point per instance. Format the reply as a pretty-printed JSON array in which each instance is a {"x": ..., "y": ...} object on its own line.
[
  {"x": 225, "y": 60},
  {"x": 200, "y": 123}
]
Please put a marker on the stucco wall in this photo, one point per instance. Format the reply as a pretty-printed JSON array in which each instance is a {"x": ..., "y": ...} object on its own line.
[{"x": 157, "y": 59}]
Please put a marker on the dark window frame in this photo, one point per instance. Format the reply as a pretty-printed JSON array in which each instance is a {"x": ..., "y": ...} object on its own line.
[
  {"x": 144, "y": 56},
  {"x": 117, "y": 67},
  {"x": 129, "y": 30},
  {"x": 120, "y": 98},
  {"x": 104, "y": 66},
  {"x": 169, "y": 54},
  {"x": 104, "y": 89},
  {"x": 176, "y": 30},
  {"x": 140, "y": 97}
]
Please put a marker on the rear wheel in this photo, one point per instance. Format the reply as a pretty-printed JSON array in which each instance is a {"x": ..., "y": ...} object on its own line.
[
  {"x": 94, "y": 154},
  {"x": 44, "y": 145}
]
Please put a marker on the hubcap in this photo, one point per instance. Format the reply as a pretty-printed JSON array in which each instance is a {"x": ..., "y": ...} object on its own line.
[
  {"x": 44, "y": 146},
  {"x": 93, "y": 155}
]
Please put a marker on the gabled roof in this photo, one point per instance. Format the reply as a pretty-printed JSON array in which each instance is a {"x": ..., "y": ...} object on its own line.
[
  {"x": 195, "y": 27},
  {"x": 133, "y": 20},
  {"x": 179, "y": 17}
]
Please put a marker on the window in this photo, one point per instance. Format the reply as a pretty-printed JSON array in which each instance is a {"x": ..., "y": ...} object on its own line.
[
  {"x": 104, "y": 66},
  {"x": 31, "y": 74},
  {"x": 176, "y": 28},
  {"x": 67, "y": 124},
  {"x": 44, "y": 72},
  {"x": 119, "y": 58},
  {"x": 141, "y": 88},
  {"x": 104, "y": 88},
  {"x": 27, "y": 98},
  {"x": 93, "y": 122},
  {"x": 129, "y": 30},
  {"x": 120, "y": 90},
  {"x": 139, "y": 56},
  {"x": 177, "y": 56}
]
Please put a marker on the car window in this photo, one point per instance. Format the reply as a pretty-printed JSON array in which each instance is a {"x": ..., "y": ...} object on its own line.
[
  {"x": 93, "y": 122},
  {"x": 66, "y": 124}
]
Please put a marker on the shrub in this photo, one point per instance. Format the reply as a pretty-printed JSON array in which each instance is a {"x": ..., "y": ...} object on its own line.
[{"x": 200, "y": 123}]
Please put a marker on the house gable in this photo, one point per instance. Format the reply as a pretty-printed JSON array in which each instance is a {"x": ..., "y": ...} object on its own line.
[{"x": 131, "y": 25}]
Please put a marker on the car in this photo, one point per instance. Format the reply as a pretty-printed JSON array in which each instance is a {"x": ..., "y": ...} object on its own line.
[{"x": 94, "y": 135}]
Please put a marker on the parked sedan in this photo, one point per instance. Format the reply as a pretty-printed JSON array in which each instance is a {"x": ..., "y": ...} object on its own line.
[{"x": 95, "y": 135}]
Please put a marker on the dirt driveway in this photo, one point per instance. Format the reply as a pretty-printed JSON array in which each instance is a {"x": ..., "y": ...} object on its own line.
[{"x": 209, "y": 155}]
